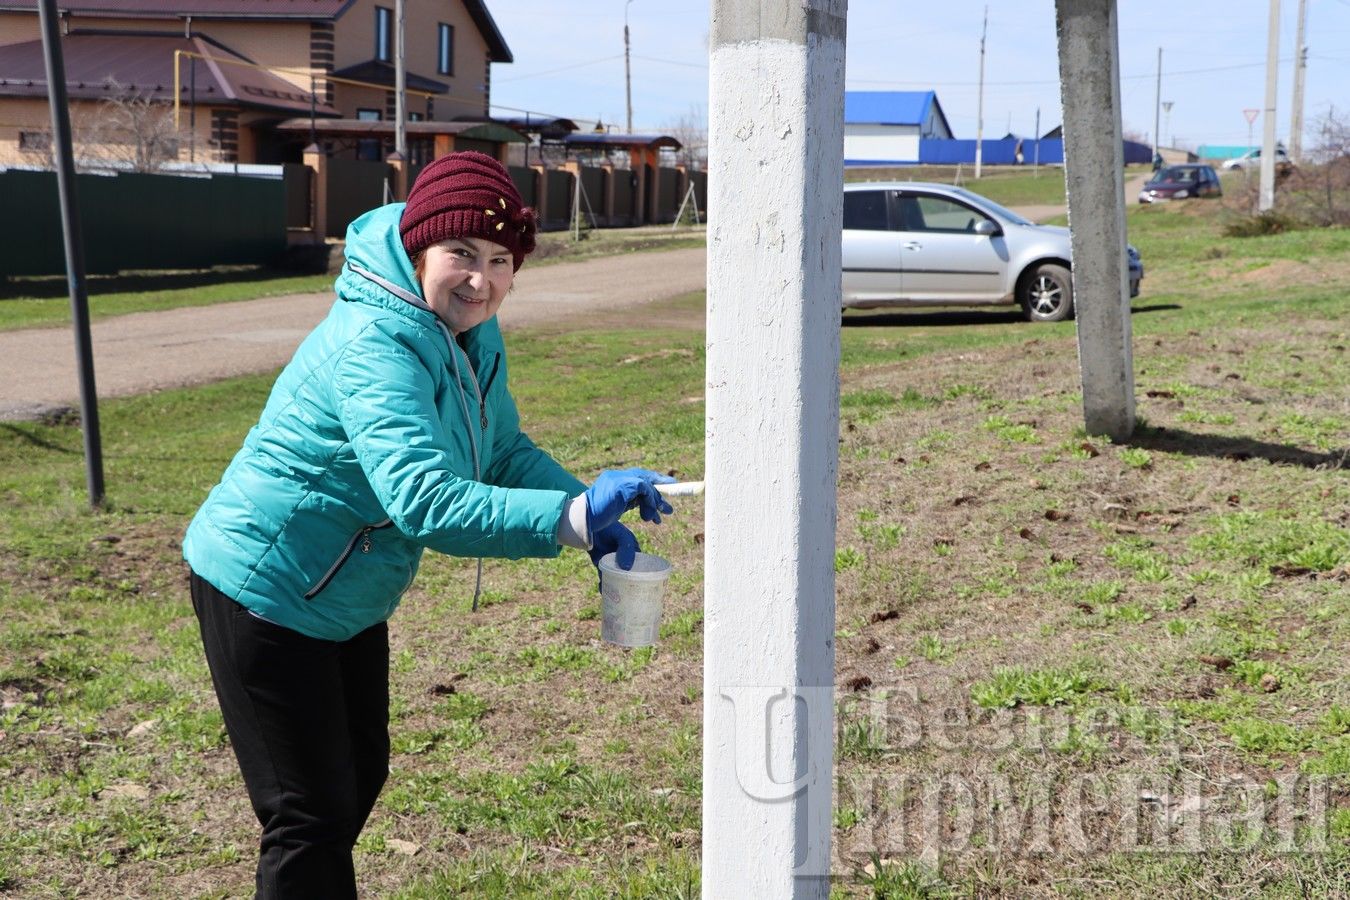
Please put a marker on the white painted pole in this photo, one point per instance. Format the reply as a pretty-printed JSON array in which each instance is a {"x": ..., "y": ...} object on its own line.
[
  {"x": 1300, "y": 75},
  {"x": 1089, "y": 77},
  {"x": 1268, "y": 119},
  {"x": 775, "y": 212}
]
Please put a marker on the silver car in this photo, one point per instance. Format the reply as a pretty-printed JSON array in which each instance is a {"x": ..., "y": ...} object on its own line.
[{"x": 917, "y": 244}]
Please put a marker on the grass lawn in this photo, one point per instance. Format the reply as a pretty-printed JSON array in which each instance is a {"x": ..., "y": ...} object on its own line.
[
  {"x": 45, "y": 301},
  {"x": 1133, "y": 640}
]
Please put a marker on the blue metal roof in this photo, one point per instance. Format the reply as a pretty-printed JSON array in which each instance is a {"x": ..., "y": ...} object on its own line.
[{"x": 887, "y": 107}]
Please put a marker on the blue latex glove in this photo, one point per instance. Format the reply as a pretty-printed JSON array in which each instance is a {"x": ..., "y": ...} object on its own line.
[
  {"x": 615, "y": 539},
  {"x": 617, "y": 491}
]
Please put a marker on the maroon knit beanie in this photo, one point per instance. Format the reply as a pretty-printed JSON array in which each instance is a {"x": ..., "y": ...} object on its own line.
[{"x": 467, "y": 194}]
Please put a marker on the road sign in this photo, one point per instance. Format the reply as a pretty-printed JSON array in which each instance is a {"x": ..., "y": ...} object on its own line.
[{"x": 1251, "y": 115}]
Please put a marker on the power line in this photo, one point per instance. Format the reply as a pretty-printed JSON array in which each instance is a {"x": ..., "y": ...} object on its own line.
[{"x": 590, "y": 62}]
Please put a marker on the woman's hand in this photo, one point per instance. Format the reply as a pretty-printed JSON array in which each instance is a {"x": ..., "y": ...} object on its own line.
[
  {"x": 617, "y": 491},
  {"x": 615, "y": 539}
]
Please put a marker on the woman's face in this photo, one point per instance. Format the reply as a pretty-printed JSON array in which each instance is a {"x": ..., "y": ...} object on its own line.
[{"x": 464, "y": 280}]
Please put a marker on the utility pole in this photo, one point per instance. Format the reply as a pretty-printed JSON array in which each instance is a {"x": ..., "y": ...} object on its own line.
[
  {"x": 627, "y": 68},
  {"x": 1089, "y": 78},
  {"x": 74, "y": 242},
  {"x": 400, "y": 84},
  {"x": 1267, "y": 200},
  {"x": 1036, "y": 157},
  {"x": 772, "y": 442},
  {"x": 1300, "y": 73},
  {"x": 1157, "y": 108},
  {"x": 979, "y": 108}
]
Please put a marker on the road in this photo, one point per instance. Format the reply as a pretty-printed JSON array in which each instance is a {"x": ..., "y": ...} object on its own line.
[{"x": 150, "y": 351}]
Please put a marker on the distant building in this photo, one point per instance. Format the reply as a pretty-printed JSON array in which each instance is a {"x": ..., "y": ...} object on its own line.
[
  {"x": 885, "y": 127},
  {"x": 251, "y": 76}
]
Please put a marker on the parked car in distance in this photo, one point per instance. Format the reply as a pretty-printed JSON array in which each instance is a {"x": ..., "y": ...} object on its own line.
[
  {"x": 909, "y": 243},
  {"x": 1181, "y": 182},
  {"x": 1252, "y": 159}
]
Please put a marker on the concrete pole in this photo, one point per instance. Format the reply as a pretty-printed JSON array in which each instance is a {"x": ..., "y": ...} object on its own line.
[
  {"x": 775, "y": 208},
  {"x": 1300, "y": 73},
  {"x": 1089, "y": 77},
  {"x": 627, "y": 69},
  {"x": 1267, "y": 201},
  {"x": 1157, "y": 109},
  {"x": 979, "y": 103},
  {"x": 400, "y": 84}
]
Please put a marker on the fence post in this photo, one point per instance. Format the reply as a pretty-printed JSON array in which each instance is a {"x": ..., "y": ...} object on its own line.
[
  {"x": 400, "y": 167},
  {"x": 639, "y": 169},
  {"x": 317, "y": 161},
  {"x": 541, "y": 193},
  {"x": 608, "y": 182}
]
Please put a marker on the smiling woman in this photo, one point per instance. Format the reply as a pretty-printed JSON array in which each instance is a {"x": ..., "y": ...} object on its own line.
[{"x": 392, "y": 430}]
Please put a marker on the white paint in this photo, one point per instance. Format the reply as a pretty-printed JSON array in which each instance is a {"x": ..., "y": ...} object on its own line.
[
  {"x": 681, "y": 489},
  {"x": 775, "y": 200},
  {"x": 1089, "y": 76}
]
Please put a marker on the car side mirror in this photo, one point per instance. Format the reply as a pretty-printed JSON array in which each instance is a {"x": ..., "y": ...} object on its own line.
[{"x": 988, "y": 228}]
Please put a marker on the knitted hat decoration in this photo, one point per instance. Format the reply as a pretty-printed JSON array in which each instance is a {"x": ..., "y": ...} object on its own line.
[{"x": 467, "y": 194}]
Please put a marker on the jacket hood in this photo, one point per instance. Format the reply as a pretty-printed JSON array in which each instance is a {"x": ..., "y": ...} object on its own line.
[{"x": 374, "y": 244}]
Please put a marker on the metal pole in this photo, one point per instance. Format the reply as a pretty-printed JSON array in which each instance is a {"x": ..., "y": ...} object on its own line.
[
  {"x": 312, "y": 102},
  {"x": 627, "y": 68},
  {"x": 400, "y": 84},
  {"x": 1157, "y": 109},
  {"x": 1268, "y": 136},
  {"x": 1300, "y": 73},
  {"x": 979, "y": 108},
  {"x": 73, "y": 236},
  {"x": 1167, "y": 122}
]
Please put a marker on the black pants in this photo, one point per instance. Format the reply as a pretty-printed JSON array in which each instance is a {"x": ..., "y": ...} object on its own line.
[{"x": 309, "y": 722}]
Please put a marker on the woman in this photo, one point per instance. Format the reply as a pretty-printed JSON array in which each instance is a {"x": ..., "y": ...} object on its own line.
[{"x": 391, "y": 430}]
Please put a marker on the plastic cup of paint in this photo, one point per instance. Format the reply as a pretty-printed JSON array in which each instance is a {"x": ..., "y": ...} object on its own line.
[{"x": 630, "y": 608}]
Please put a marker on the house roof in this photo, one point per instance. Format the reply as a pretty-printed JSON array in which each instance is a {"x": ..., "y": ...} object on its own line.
[
  {"x": 890, "y": 107},
  {"x": 544, "y": 126},
  {"x": 142, "y": 64},
  {"x": 379, "y": 72},
  {"x": 585, "y": 139},
  {"x": 310, "y": 10},
  {"x": 361, "y": 128}
]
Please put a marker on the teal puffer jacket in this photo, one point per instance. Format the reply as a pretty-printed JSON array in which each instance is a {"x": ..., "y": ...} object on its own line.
[{"x": 383, "y": 436}]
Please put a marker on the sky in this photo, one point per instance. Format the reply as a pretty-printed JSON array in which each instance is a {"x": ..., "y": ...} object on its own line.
[{"x": 1213, "y": 63}]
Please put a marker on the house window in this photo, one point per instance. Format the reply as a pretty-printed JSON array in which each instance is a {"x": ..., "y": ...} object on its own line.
[
  {"x": 368, "y": 148},
  {"x": 36, "y": 141},
  {"x": 445, "y": 49},
  {"x": 384, "y": 34}
]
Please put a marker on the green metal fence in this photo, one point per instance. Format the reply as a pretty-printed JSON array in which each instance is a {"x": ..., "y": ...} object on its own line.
[{"x": 137, "y": 221}]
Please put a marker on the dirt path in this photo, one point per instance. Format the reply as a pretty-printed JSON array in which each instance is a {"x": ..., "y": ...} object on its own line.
[{"x": 155, "y": 350}]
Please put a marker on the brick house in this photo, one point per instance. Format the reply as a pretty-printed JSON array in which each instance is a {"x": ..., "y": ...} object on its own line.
[{"x": 257, "y": 80}]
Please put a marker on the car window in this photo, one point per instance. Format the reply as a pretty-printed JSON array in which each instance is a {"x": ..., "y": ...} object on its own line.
[
  {"x": 925, "y": 212},
  {"x": 865, "y": 210}
]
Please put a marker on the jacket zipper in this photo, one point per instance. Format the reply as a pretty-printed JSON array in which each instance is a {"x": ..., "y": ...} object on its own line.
[
  {"x": 361, "y": 537},
  {"x": 482, "y": 398}
]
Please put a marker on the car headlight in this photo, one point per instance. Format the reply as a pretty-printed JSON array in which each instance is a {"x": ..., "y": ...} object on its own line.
[{"x": 1182, "y": 193}]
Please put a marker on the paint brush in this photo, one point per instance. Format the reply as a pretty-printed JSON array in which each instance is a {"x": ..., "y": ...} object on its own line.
[{"x": 680, "y": 489}]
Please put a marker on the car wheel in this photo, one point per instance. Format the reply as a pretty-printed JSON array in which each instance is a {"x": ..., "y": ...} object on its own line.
[{"x": 1046, "y": 293}]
